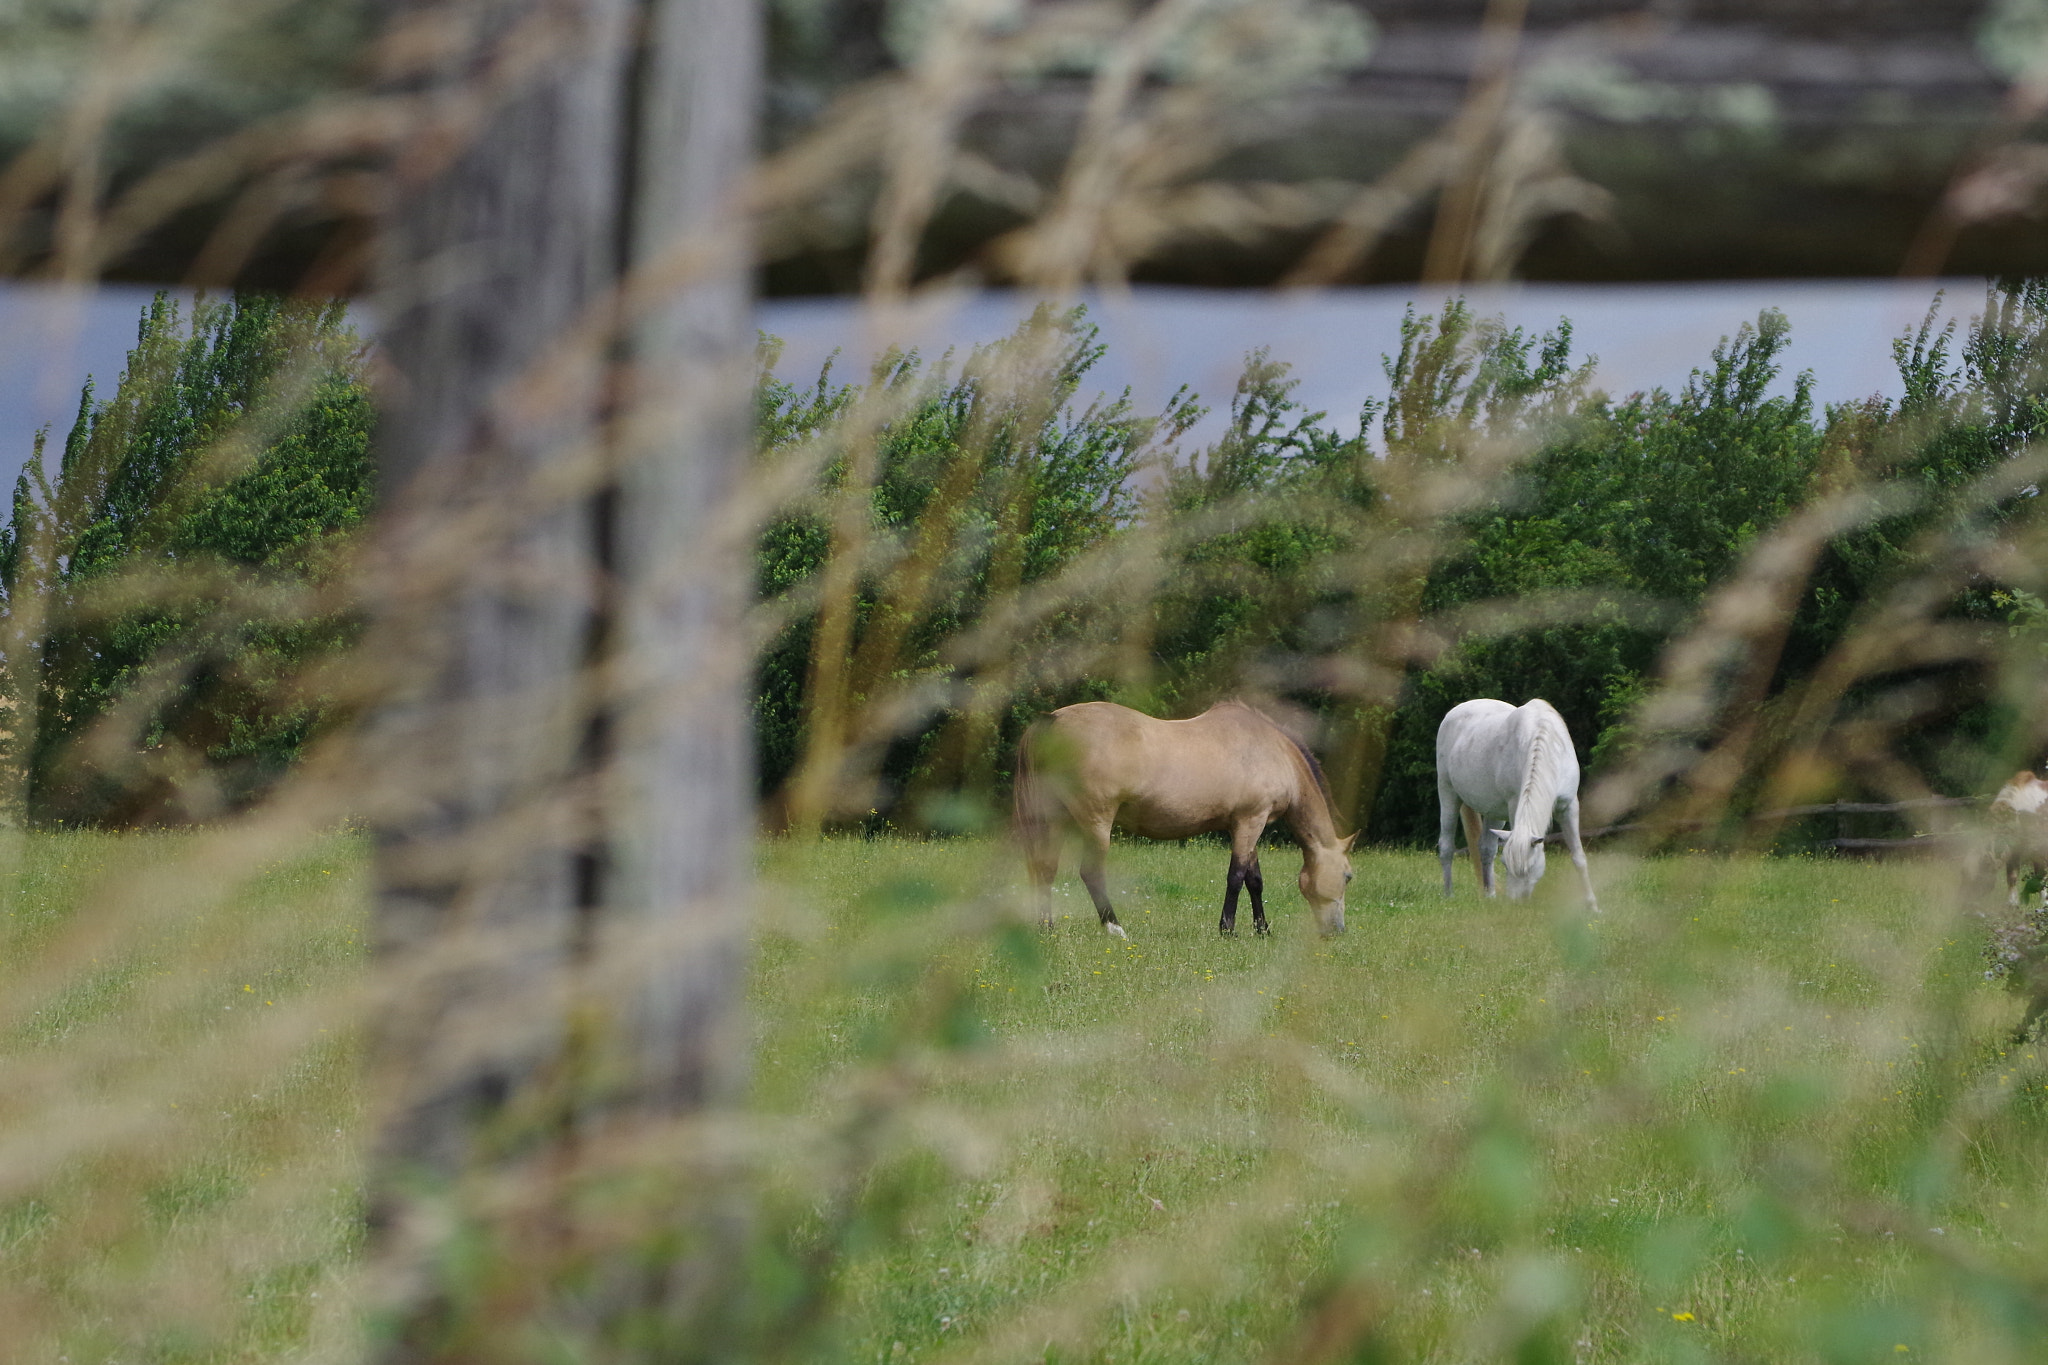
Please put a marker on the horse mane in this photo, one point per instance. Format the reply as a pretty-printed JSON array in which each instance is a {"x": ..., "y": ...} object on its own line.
[
  {"x": 1539, "y": 747},
  {"x": 1315, "y": 770}
]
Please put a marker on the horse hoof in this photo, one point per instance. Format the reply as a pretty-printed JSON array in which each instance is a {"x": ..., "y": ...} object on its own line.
[
  {"x": 1263, "y": 931},
  {"x": 1116, "y": 931}
]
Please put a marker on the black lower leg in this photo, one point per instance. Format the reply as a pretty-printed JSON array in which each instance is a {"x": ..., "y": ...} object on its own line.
[
  {"x": 1255, "y": 882},
  {"x": 1231, "y": 885},
  {"x": 1098, "y": 891}
]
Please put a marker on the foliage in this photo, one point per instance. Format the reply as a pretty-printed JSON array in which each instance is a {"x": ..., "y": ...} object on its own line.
[
  {"x": 236, "y": 454},
  {"x": 1262, "y": 517},
  {"x": 164, "y": 588},
  {"x": 985, "y": 480},
  {"x": 1291, "y": 544},
  {"x": 1761, "y": 1109},
  {"x": 1648, "y": 500}
]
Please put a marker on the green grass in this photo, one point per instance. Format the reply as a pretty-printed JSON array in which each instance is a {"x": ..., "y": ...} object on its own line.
[
  {"x": 1722, "y": 1121},
  {"x": 180, "y": 1119},
  {"x": 1759, "y": 1110}
]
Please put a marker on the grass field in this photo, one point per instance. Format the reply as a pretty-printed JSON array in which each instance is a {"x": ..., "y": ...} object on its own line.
[
  {"x": 1759, "y": 1110},
  {"x": 180, "y": 1111}
]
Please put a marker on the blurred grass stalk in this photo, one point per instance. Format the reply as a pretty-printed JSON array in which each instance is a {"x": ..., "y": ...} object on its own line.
[{"x": 566, "y": 1158}]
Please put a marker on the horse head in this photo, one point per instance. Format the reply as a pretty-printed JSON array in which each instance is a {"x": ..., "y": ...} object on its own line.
[
  {"x": 1521, "y": 862},
  {"x": 1324, "y": 872}
]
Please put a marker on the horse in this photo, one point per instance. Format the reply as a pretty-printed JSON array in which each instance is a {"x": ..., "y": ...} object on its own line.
[
  {"x": 2019, "y": 820},
  {"x": 1515, "y": 764},
  {"x": 2019, "y": 838},
  {"x": 1090, "y": 767}
]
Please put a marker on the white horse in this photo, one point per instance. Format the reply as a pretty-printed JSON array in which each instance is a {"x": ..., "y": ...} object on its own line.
[
  {"x": 1511, "y": 765},
  {"x": 2019, "y": 824}
]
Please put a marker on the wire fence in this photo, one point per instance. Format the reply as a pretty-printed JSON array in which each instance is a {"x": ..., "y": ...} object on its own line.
[{"x": 1841, "y": 842}]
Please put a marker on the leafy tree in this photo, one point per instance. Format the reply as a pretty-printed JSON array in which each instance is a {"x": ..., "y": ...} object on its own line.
[
  {"x": 1298, "y": 543},
  {"x": 983, "y": 482},
  {"x": 1640, "y": 506},
  {"x": 173, "y": 591},
  {"x": 1965, "y": 411},
  {"x": 170, "y": 589},
  {"x": 1259, "y": 520}
]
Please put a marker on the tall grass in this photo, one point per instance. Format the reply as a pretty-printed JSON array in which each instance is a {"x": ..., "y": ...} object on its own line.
[
  {"x": 181, "y": 1125},
  {"x": 1763, "y": 1108}
]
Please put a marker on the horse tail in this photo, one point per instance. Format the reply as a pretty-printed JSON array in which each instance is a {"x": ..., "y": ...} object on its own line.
[
  {"x": 1471, "y": 818},
  {"x": 1031, "y": 822},
  {"x": 1027, "y": 797}
]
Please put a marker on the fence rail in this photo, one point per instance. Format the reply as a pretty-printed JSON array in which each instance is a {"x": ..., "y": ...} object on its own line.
[{"x": 1841, "y": 843}]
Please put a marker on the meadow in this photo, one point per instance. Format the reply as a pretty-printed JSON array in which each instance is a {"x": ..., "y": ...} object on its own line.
[{"x": 1760, "y": 1109}]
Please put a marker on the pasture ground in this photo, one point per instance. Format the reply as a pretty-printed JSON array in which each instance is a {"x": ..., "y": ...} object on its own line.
[{"x": 1759, "y": 1110}]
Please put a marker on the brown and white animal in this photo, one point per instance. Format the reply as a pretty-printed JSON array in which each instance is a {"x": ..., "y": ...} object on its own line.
[
  {"x": 2019, "y": 826},
  {"x": 1087, "y": 768}
]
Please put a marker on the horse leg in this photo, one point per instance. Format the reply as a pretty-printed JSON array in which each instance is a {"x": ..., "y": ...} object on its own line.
[
  {"x": 1447, "y": 831},
  {"x": 1569, "y": 818},
  {"x": 1488, "y": 847},
  {"x": 2037, "y": 1006},
  {"x": 1475, "y": 840},
  {"x": 1094, "y": 862},
  {"x": 1042, "y": 822},
  {"x": 1042, "y": 866},
  {"x": 1244, "y": 870},
  {"x": 1255, "y": 882},
  {"x": 2034, "y": 976},
  {"x": 1233, "y": 881}
]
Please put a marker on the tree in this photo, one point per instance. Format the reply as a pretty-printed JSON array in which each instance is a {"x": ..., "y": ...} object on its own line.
[
  {"x": 1639, "y": 506},
  {"x": 171, "y": 588},
  {"x": 977, "y": 485}
]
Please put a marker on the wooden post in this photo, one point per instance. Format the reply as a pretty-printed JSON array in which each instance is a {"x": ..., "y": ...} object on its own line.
[{"x": 562, "y": 829}]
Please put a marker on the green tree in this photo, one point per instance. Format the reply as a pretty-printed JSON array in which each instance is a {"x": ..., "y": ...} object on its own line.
[
  {"x": 1965, "y": 411},
  {"x": 1298, "y": 545},
  {"x": 1639, "y": 506},
  {"x": 978, "y": 484},
  {"x": 172, "y": 588}
]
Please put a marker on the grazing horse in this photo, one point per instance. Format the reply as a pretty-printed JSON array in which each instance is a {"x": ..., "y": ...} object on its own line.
[
  {"x": 1497, "y": 764},
  {"x": 1087, "y": 768},
  {"x": 2019, "y": 835},
  {"x": 2019, "y": 821}
]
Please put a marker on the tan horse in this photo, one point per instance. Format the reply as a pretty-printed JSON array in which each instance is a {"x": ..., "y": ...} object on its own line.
[{"x": 1087, "y": 768}]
